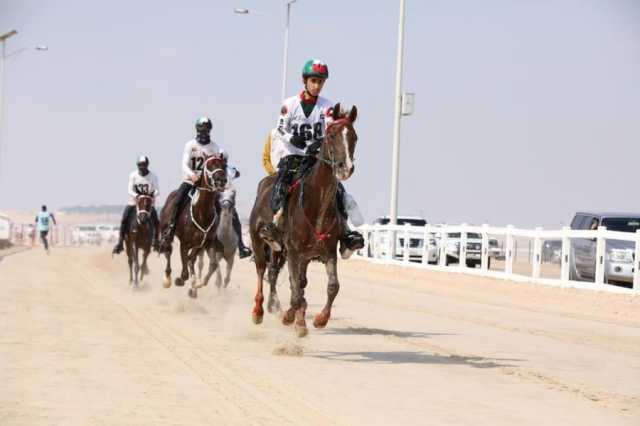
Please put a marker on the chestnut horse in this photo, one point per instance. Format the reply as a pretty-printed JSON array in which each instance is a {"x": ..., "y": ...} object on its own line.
[
  {"x": 312, "y": 225},
  {"x": 196, "y": 224},
  {"x": 138, "y": 237}
]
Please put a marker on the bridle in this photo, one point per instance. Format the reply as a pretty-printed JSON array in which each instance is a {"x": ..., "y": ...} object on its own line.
[
  {"x": 208, "y": 175},
  {"x": 331, "y": 138},
  {"x": 140, "y": 210}
]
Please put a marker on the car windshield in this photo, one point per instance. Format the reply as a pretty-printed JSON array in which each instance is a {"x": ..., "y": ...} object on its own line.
[
  {"x": 403, "y": 221},
  {"x": 86, "y": 228},
  {"x": 473, "y": 235},
  {"x": 621, "y": 224}
]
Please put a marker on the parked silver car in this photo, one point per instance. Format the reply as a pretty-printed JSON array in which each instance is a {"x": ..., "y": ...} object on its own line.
[
  {"x": 474, "y": 248},
  {"x": 619, "y": 255}
]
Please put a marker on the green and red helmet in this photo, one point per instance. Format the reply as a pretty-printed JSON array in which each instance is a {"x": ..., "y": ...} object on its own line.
[{"x": 315, "y": 68}]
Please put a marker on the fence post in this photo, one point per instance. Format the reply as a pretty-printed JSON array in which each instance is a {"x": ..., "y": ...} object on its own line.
[
  {"x": 425, "y": 244},
  {"x": 566, "y": 254},
  {"x": 600, "y": 251},
  {"x": 391, "y": 247},
  {"x": 367, "y": 235},
  {"x": 406, "y": 245},
  {"x": 462, "y": 255},
  {"x": 537, "y": 254},
  {"x": 442, "y": 257},
  {"x": 636, "y": 264},
  {"x": 508, "y": 265},
  {"x": 484, "y": 262}
]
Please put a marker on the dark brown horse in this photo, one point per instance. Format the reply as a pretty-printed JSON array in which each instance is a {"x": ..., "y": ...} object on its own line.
[
  {"x": 138, "y": 237},
  {"x": 312, "y": 225},
  {"x": 196, "y": 224}
]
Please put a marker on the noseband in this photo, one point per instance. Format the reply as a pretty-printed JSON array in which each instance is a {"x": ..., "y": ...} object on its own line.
[
  {"x": 208, "y": 175},
  {"x": 140, "y": 210},
  {"x": 331, "y": 138}
]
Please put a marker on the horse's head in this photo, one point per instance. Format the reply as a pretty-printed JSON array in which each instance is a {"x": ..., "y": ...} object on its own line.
[
  {"x": 340, "y": 143},
  {"x": 227, "y": 199},
  {"x": 215, "y": 173},
  {"x": 144, "y": 203}
]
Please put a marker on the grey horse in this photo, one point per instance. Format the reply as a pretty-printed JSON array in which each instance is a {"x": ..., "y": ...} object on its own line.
[{"x": 226, "y": 235}]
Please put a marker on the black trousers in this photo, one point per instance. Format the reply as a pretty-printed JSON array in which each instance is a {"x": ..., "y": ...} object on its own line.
[{"x": 182, "y": 196}]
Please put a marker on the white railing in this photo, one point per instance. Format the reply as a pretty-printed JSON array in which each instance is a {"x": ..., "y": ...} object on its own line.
[{"x": 377, "y": 252}]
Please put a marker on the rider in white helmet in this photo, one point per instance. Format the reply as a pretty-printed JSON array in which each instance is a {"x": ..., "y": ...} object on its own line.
[
  {"x": 301, "y": 129},
  {"x": 192, "y": 164},
  {"x": 141, "y": 182}
]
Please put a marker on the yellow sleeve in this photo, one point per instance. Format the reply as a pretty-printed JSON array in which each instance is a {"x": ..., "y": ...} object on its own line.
[{"x": 266, "y": 156}]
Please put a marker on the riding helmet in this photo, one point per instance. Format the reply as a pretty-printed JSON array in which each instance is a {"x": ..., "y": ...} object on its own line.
[{"x": 315, "y": 68}]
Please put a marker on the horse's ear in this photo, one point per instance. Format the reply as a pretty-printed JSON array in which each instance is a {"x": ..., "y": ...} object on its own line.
[
  {"x": 336, "y": 111},
  {"x": 353, "y": 114}
]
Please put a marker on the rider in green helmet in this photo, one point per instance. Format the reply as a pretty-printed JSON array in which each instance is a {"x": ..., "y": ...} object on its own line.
[{"x": 300, "y": 131}]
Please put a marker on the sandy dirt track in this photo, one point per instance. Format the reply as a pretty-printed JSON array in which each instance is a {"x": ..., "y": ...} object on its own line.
[{"x": 79, "y": 347}]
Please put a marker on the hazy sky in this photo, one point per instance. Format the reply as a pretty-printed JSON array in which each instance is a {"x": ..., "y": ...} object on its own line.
[{"x": 525, "y": 110}]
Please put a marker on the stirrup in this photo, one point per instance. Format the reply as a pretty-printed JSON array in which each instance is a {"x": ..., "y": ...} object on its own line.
[
  {"x": 271, "y": 235},
  {"x": 118, "y": 248},
  {"x": 244, "y": 252}
]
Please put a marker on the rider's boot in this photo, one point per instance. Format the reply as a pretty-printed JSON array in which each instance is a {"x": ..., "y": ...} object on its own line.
[
  {"x": 243, "y": 251},
  {"x": 350, "y": 240},
  {"x": 119, "y": 247},
  {"x": 271, "y": 232},
  {"x": 167, "y": 237},
  {"x": 155, "y": 225}
]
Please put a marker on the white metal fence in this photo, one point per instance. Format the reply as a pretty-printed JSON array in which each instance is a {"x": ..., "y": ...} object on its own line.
[{"x": 380, "y": 253}]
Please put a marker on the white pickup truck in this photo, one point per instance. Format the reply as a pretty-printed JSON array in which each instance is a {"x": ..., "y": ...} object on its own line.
[{"x": 380, "y": 245}]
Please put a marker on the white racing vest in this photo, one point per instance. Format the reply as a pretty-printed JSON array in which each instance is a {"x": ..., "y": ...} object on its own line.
[
  {"x": 193, "y": 157},
  {"x": 292, "y": 121},
  {"x": 138, "y": 184}
]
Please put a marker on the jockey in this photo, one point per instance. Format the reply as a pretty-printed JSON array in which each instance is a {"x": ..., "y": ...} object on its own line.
[
  {"x": 141, "y": 182},
  {"x": 192, "y": 164},
  {"x": 301, "y": 128},
  {"x": 271, "y": 153},
  {"x": 43, "y": 224}
]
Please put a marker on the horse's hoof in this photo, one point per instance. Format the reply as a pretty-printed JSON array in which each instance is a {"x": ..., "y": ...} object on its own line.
[
  {"x": 179, "y": 282},
  {"x": 166, "y": 283},
  {"x": 257, "y": 319},
  {"x": 288, "y": 317},
  {"x": 320, "y": 321},
  {"x": 301, "y": 330},
  {"x": 193, "y": 293}
]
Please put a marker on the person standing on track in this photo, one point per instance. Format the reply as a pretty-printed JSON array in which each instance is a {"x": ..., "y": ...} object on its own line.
[{"x": 43, "y": 219}]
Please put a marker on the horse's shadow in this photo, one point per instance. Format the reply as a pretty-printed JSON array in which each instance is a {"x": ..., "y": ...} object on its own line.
[
  {"x": 413, "y": 357},
  {"x": 366, "y": 331}
]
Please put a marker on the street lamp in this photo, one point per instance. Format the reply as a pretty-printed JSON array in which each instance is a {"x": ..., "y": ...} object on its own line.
[
  {"x": 395, "y": 164},
  {"x": 3, "y": 57},
  {"x": 243, "y": 11}
]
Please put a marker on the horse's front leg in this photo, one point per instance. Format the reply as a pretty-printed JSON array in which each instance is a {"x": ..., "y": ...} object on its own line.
[
  {"x": 213, "y": 265},
  {"x": 144, "y": 268},
  {"x": 333, "y": 287},
  {"x": 218, "y": 271},
  {"x": 229, "y": 267},
  {"x": 130, "y": 262},
  {"x": 298, "y": 308},
  {"x": 191, "y": 261},
  {"x": 275, "y": 265},
  {"x": 136, "y": 265},
  {"x": 200, "y": 263},
  {"x": 184, "y": 275},
  {"x": 166, "y": 283}
]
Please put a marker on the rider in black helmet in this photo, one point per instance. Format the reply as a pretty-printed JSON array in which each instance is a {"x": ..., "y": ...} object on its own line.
[{"x": 141, "y": 182}]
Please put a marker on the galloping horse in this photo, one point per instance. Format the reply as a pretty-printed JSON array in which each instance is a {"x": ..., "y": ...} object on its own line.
[
  {"x": 196, "y": 224},
  {"x": 227, "y": 236},
  {"x": 138, "y": 237},
  {"x": 312, "y": 225}
]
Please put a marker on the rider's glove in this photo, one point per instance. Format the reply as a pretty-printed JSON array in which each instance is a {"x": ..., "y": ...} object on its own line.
[
  {"x": 313, "y": 148},
  {"x": 298, "y": 141}
]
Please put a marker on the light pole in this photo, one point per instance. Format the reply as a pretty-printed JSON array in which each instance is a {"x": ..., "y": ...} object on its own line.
[
  {"x": 395, "y": 164},
  {"x": 3, "y": 57},
  {"x": 285, "y": 60}
]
